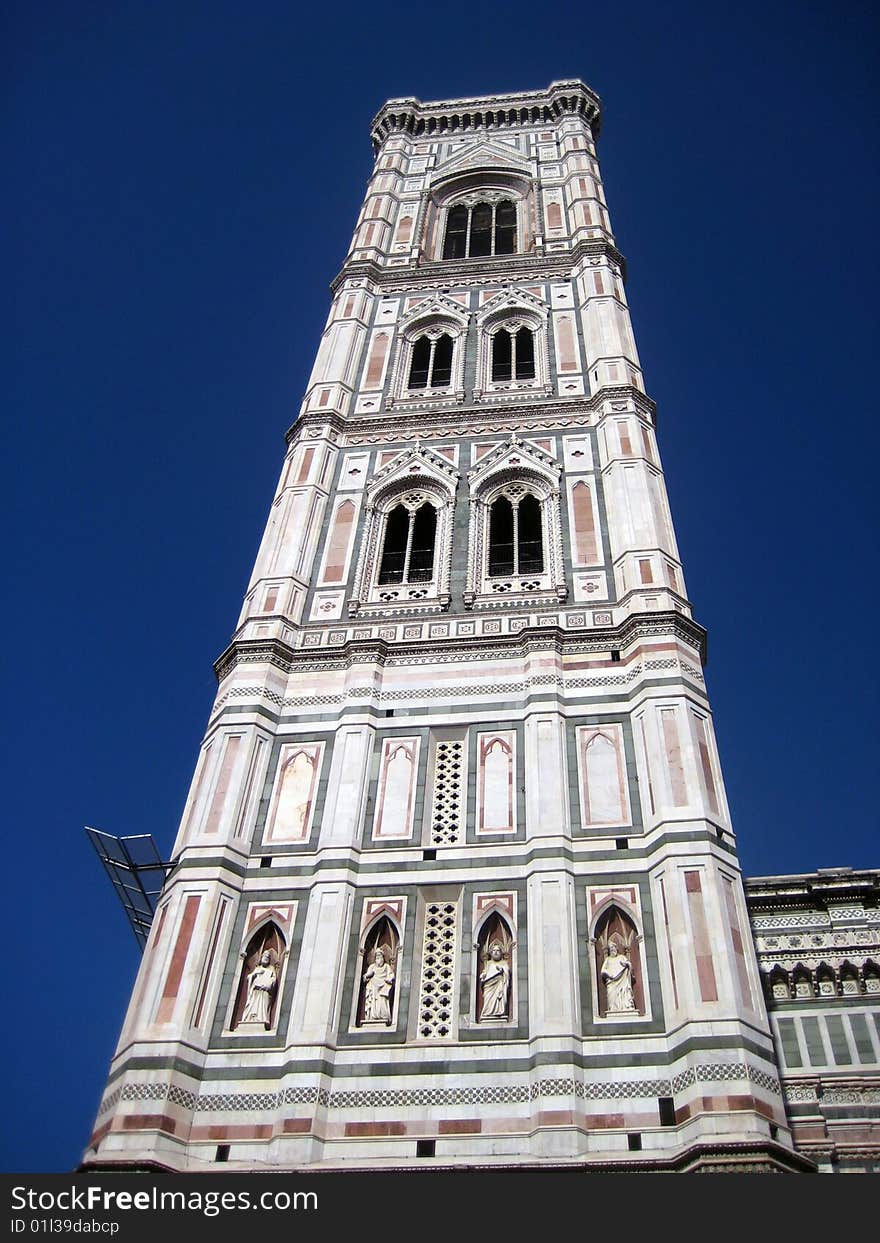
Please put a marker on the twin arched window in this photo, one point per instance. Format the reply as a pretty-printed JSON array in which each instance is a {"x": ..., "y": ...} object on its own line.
[
  {"x": 408, "y": 548},
  {"x": 480, "y": 229},
  {"x": 516, "y": 538},
  {"x": 513, "y": 354},
  {"x": 431, "y": 362}
]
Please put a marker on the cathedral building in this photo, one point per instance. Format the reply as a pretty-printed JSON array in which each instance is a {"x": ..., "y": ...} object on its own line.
[{"x": 456, "y": 883}]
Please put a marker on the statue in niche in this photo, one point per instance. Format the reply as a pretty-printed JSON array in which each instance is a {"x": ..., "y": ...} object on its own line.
[
  {"x": 378, "y": 983},
  {"x": 617, "y": 961},
  {"x": 261, "y": 985},
  {"x": 495, "y": 979},
  {"x": 617, "y": 973},
  {"x": 494, "y": 949},
  {"x": 258, "y": 983}
]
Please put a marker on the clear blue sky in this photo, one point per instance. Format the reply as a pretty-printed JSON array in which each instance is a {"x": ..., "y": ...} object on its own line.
[{"x": 184, "y": 178}]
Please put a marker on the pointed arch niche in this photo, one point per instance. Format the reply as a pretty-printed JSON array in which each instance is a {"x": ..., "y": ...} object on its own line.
[
  {"x": 494, "y": 973},
  {"x": 405, "y": 559},
  {"x": 376, "y": 986},
  {"x": 429, "y": 361},
  {"x": 260, "y": 981},
  {"x": 620, "y": 990},
  {"x": 481, "y": 211}
]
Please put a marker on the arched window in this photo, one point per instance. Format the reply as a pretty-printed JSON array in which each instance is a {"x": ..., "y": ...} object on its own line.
[
  {"x": 408, "y": 548},
  {"x": 516, "y": 541},
  {"x": 431, "y": 362},
  {"x": 513, "y": 354},
  {"x": 480, "y": 229}
]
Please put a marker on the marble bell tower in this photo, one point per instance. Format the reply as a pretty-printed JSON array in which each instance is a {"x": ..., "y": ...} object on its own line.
[{"x": 456, "y": 882}]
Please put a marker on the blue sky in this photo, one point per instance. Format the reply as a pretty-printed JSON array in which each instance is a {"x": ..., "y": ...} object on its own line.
[{"x": 184, "y": 180}]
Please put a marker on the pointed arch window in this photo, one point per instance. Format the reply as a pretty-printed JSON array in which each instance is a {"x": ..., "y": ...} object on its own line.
[
  {"x": 408, "y": 547},
  {"x": 513, "y": 354},
  {"x": 478, "y": 230},
  {"x": 431, "y": 362},
  {"x": 516, "y": 537}
]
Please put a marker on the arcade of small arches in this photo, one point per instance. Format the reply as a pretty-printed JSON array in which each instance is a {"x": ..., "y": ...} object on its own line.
[{"x": 804, "y": 982}]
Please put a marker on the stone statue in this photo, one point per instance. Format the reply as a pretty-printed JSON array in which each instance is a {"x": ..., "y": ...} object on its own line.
[
  {"x": 378, "y": 979},
  {"x": 261, "y": 984},
  {"x": 495, "y": 980},
  {"x": 617, "y": 973}
]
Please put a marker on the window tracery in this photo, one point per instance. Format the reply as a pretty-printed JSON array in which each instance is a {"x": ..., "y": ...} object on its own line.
[
  {"x": 481, "y": 227},
  {"x": 515, "y": 546}
]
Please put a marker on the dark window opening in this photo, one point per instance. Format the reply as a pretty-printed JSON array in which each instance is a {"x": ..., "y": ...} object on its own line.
[
  {"x": 516, "y": 543},
  {"x": 426, "y": 1147},
  {"x": 502, "y": 356},
  {"x": 529, "y": 542},
  {"x": 408, "y": 551},
  {"x": 513, "y": 355},
  {"x": 431, "y": 362},
  {"x": 634, "y": 1142},
  {"x": 441, "y": 372},
  {"x": 394, "y": 550},
  {"x": 421, "y": 360},
  {"x": 389, "y": 712},
  {"x": 429, "y": 854},
  {"x": 455, "y": 246},
  {"x": 505, "y": 228},
  {"x": 222, "y": 1153},
  {"x": 501, "y": 550},
  {"x": 266, "y": 861},
  {"x": 525, "y": 355},
  {"x": 421, "y": 557},
  {"x": 615, "y": 655},
  {"x": 666, "y": 1107},
  {"x": 621, "y": 843},
  {"x": 481, "y": 230}
]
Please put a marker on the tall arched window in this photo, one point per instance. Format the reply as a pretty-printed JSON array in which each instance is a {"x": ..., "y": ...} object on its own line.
[
  {"x": 479, "y": 229},
  {"x": 516, "y": 541},
  {"x": 431, "y": 362},
  {"x": 513, "y": 354},
  {"x": 408, "y": 548}
]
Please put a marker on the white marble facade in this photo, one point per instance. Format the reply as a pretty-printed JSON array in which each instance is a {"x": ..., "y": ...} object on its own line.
[{"x": 465, "y": 685}]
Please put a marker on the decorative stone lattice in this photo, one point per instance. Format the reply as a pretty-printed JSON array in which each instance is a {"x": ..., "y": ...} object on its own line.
[
  {"x": 437, "y": 992},
  {"x": 446, "y": 807}
]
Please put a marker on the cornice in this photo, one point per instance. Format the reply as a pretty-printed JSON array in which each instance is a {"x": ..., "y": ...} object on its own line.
[
  {"x": 476, "y": 419},
  {"x": 532, "y": 639},
  {"x": 477, "y": 272},
  {"x": 415, "y": 119},
  {"x": 828, "y": 886}
]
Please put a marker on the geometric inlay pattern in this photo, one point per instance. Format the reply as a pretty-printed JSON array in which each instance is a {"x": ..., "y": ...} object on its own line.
[
  {"x": 437, "y": 992},
  {"x": 486, "y": 1094}
]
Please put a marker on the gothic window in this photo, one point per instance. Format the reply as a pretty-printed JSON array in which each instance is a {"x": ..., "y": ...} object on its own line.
[
  {"x": 477, "y": 230},
  {"x": 431, "y": 362},
  {"x": 516, "y": 543},
  {"x": 513, "y": 354},
  {"x": 376, "y": 997},
  {"x": 257, "y": 996},
  {"x": 408, "y": 547}
]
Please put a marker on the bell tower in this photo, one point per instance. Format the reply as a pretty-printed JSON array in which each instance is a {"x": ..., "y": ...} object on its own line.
[{"x": 456, "y": 881}]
